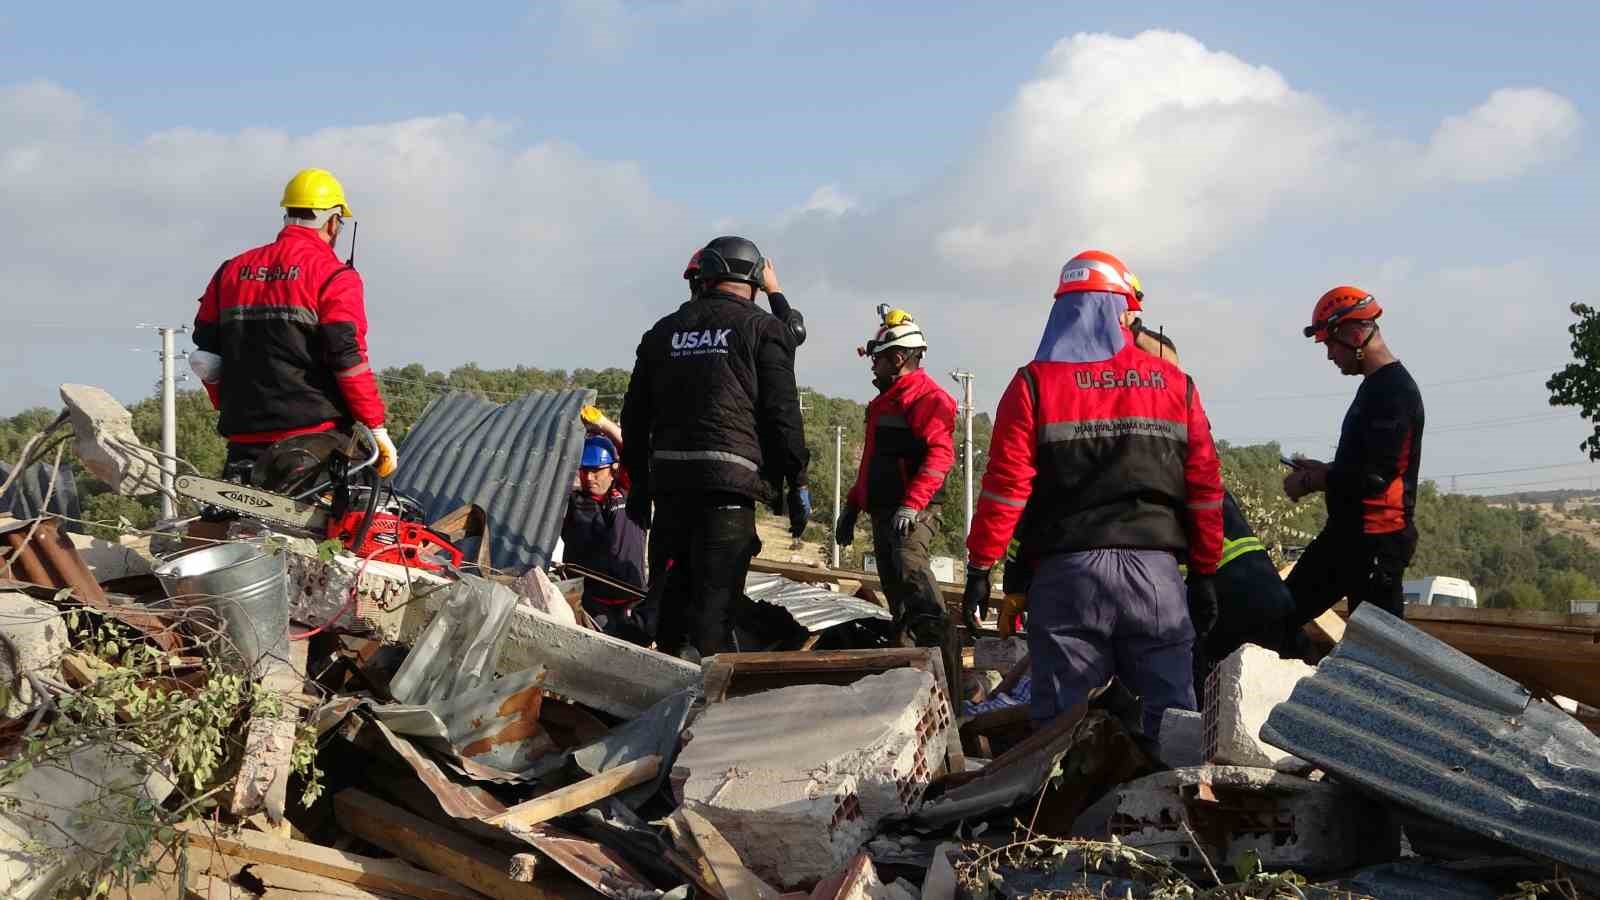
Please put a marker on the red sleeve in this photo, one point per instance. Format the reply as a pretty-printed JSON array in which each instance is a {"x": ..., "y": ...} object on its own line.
[
  {"x": 1202, "y": 472},
  {"x": 207, "y": 320},
  {"x": 858, "y": 491},
  {"x": 342, "y": 319},
  {"x": 932, "y": 418},
  {"x": 1007, "y": 476}
]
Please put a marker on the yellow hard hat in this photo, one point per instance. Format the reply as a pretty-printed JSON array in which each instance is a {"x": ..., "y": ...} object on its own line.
[{"x": 315, "y": 189}]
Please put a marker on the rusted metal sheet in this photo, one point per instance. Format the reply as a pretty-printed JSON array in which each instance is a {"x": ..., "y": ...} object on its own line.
[
  {"x": 48, "y": 558},
  {"x": 459, "y": 800},
  {"x": 596, "y": 865}
]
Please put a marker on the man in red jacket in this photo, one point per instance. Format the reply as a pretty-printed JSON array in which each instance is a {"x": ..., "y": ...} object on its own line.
[
  {"x": 900, "y": 482},
  {"x": 1109, "y": 449},
  {"x": 282, "y": 335}
]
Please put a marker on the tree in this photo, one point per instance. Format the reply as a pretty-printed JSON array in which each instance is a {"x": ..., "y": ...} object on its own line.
[
  {"x": 1517, "y": 595},
  {"x": 1579, "y": 383}
]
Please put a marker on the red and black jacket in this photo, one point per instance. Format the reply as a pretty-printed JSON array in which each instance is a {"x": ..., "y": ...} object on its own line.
[
  {"x": 290, "y": 323},
  {"x": 909, "y": 446},
  {"x": 1112, "y": 454},
  {"x": 1372, "y": 482}
]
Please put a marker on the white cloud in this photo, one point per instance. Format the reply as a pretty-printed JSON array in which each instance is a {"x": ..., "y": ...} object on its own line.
[
  {"x": 1513, "y": 131},
  {"x": 1174, "y": 155},
  {"x": 472, "y": 248}
]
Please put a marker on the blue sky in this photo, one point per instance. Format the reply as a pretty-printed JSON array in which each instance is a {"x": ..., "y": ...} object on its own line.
[{"x": 530, "y": 177}]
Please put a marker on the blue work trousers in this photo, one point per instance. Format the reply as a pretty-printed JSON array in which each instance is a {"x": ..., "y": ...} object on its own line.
[{"x": 1098, "y": 613}]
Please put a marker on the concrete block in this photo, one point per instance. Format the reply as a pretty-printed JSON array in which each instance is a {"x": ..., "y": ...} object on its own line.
[
  {"x": 106, "y": 442},
  {"x": 386, "y": 594},
  {"x": 64, "y": 815},
  {"x": 1288, "y": 821},
  {"x": 798, "y": 778},
  {"x": 999, "y": 654},
  {"x": 109, "y": 559},
  {"x": 1239, "y": 696},
  {"x": 1182, "y": 738},
  {"x": 39, "y": 635}
]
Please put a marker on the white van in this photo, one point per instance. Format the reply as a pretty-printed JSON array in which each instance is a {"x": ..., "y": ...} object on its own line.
[{"x": 1441, "y": 590}]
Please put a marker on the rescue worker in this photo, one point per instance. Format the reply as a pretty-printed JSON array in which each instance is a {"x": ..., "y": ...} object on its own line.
[
  {"x": 713, "y": 424},
  {"x": 1371, "y": 485},
  {"x": 781, "y": 309},
  {"x": 909, "y": 449},
  {"x": 281, "y": 335},
  {"x": 1109, "y": 449},
  {"x": 598, "y": 535}
]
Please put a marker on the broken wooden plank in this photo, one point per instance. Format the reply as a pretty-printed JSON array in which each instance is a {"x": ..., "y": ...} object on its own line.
[
  {"x": 263, "y": 781},
  {"x": 287, "y": 884},
  {"x": 736, "y": 880},
  {"x": 524, "y": 867},
  {"x": 450, "y": 853},
  {"x": 576, "y": 796},
  {"x": 1327, "y": 628},
  {"x": 388, "y": 875},
  {"x": 818, "y": 575}
]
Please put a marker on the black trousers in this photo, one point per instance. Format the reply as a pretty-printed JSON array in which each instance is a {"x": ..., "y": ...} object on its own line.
[
  {"x": 701, "y": 544},
  {"x": 1364, "y": 568},
  {"x": 241, "y": 459}
]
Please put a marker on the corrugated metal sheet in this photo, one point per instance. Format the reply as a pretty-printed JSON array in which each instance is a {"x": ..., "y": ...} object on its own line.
[
  {"x": 1414, "y": 720},
  {"x": 813, "y": 608},
  {"x": 25, "y": 498},
  {"x": 516, "y": 460}
]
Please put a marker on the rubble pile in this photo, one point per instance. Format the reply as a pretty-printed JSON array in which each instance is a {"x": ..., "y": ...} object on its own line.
[{"x": 466, "y": 733}]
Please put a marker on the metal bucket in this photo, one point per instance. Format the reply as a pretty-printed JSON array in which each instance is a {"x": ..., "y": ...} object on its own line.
[{"x": 247, "y": 587}]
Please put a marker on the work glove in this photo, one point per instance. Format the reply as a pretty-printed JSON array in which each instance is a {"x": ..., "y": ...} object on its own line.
[
  {"x": 639, "y": 507},
  {"x": 799, "y": 509},
  {"x": 975, "y": 599},
  {"x": 845, "y": 531},
  {"x": 1011, "y": 608},
  {"x": 905, "y": 519},
  {"x": 388, "y": 456},
  {"x": 1202, "y": 604}
]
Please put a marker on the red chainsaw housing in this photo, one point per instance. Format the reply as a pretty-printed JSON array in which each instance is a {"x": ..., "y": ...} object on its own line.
[{"x": 415, "y": 544}]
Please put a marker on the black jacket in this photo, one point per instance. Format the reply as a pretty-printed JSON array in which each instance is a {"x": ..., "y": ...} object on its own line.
[{"x": 712, "y": 404}]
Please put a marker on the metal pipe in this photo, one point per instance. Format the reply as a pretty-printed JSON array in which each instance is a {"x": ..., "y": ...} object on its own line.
[
  {"x": 838, "y": 472},
  {"x": 169, "y": 423}
]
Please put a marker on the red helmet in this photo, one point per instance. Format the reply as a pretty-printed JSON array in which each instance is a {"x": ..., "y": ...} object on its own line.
[
  {"x": 1344, "y": 303},
  {"x": 1097, "y": 270}
]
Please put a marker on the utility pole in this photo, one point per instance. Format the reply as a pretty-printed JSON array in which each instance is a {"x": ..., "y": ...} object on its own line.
[
  {"x": 838, "y": 472},
  {"x": 965, "y": 378},
  {"x": 169, "y": 422}
]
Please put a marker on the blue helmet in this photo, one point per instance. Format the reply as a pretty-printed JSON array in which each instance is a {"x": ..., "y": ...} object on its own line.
[{"x": 598, "y": 451}]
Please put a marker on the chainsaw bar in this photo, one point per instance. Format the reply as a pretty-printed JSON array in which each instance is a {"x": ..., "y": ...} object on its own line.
[{"x": 252, "y": 503}]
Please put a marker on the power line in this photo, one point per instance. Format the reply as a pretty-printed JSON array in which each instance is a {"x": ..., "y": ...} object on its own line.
[
  {"x": 1326, "y": 394},
  {"x": 1518, "y": 469},
  {"x": 1437, "y": 429}
]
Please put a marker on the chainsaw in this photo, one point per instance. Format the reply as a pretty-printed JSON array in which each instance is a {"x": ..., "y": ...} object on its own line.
[{"x": 312, "y": 486}]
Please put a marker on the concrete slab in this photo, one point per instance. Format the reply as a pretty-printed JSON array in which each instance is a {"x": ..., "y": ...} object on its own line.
[
  {"x": 799, "y": 777},
  {"x": 107, "y": 444},
  {"x": 1240, "y": 695},
  {"x": 1182, "y": 738},
  {"x": 63, "y": 815},
  {"x": 1288, "y": 821},
  {"x": 595, "y": 669}
]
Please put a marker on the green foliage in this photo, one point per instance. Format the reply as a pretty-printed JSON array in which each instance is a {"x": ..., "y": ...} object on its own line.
[
  {"x": 1578, "y": 383},
  {"x": 156, "y": 723}
]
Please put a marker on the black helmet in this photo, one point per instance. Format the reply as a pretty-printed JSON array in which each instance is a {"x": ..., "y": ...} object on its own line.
[{"x": 727, "y": 259}]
